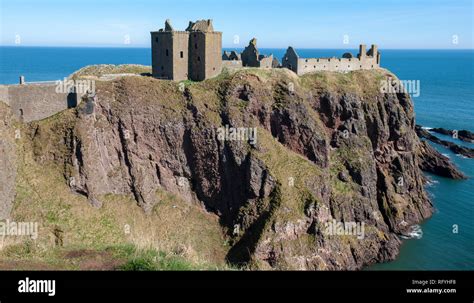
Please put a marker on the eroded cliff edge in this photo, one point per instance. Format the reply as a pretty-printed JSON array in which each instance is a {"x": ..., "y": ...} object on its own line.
[{"x": 329, "y": 147}]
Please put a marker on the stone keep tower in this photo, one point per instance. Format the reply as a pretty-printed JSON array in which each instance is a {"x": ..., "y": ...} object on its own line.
[
  {"x": 169, "y": 53},
  {"x": 205, "y": 50},
  {"x": 194, "y": 54}
]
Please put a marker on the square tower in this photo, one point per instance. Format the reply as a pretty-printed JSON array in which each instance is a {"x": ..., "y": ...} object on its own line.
[
  {"x": 169, "y": 53},
  {"x": 205, "y": 50},
  {"x": 194, "y": 54}
]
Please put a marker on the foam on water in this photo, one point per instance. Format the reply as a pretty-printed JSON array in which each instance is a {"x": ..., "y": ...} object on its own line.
[{"x": 415, "y": 232}]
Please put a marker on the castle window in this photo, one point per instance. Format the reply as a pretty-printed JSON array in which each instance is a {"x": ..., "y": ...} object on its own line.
[
  {"x": 156, "y": 39},
  {"x": 195, "y": 45},
  {"x": 317, "y": 60},
  {"x": 361, "y": 66},
  {"x": 181, "y": 54},
  {"x": 372, "y": 66},
  {"x": 162, "y": 67},
  {"x": 166, "y": 53},
  {"x": 199, "y": 59},
  {"x": 213, "y": 68}
]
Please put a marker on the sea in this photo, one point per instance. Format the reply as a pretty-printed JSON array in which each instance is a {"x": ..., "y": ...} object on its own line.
[{"x": 446, "y": 99}]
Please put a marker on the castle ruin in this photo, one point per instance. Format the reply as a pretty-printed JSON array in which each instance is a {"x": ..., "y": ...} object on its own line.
[
  {"x": 196, "y": 54},
  {"x": 251, "y": 57},
  {"x": 301, "y": 66}
]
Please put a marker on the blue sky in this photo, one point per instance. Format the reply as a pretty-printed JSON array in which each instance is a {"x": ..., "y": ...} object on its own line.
[{"x": 276, "y": 23}]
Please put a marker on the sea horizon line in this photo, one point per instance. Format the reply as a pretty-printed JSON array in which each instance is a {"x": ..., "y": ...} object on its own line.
[{"x": 229, "y": 47}]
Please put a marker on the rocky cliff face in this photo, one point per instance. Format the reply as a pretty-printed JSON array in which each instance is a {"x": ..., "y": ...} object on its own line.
[{"x": 329, "y": 148}]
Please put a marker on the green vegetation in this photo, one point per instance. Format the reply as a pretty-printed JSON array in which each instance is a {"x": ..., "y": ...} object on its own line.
[
  {"x": 177, "y": 235},
  {"x": 97, "y": 71}
]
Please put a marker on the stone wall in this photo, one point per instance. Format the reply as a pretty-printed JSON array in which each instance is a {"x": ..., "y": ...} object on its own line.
[
  {"x": 213, "y": 61},
  {"x": 364, "y": 60},
  {"x": 251, "y": 56},
  {"x": 197, "y": 56},
  {"x": 4, "y": 94},
  {"x": 266, "y": 62},
  {"x": 8, "y": 159},
  {"x": 231, "y": 64},
  {"x": 335, "y": 64},
  {"x": 179, "y": 55},
  {"x": 162, "y": 65},
  {"x": 31, "y": 102}
]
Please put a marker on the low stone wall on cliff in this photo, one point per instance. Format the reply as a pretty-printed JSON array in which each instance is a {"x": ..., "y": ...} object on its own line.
[{"x": 31, "y": 102}]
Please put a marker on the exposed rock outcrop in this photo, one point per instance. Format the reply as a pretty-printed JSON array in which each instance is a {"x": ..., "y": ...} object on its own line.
[
  {"x": 457, "y": 149},
  {"x": 462, "y": 134},
  {"x": 330, "y": 148},
  {"x": 432, "y": 161}
]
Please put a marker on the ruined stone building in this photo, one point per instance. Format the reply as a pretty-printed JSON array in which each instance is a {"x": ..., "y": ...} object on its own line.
[
  {"x": 194, "y": 54},
  {"x": 251, "y": 57},
  {"x": 364, "y": 60},
  {"x": 233, "y": 55}
]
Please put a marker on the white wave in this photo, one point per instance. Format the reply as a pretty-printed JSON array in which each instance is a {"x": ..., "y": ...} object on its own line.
[
  {"x": 426, "y": 128},
  {"x": 447, "y": 156},
  {"x": 415, "y": 232},
  {"x": 431, "y": 182}
]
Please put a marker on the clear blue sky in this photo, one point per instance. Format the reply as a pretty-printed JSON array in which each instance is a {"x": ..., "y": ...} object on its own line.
[{"x": 275, "y": 23}]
